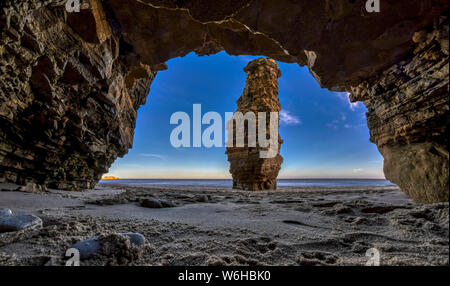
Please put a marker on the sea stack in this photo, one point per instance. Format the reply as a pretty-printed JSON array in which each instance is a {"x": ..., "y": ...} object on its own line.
[{"x": 249, "y": 169}]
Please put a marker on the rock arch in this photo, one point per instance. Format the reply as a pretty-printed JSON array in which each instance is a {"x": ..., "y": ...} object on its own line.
[{"x": 71, "y": 83}]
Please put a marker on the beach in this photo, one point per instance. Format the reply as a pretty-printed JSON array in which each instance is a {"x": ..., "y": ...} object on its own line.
[{"x": 220, "y": 226}]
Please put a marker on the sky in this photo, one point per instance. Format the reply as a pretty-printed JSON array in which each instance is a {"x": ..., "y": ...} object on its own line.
[{"x": 325, "y": 136}]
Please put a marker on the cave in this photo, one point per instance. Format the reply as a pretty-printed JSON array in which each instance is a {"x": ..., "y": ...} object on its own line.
[{"x": 71, "y": 82}]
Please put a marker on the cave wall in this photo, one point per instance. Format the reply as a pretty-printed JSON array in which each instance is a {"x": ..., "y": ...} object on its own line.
[
  {"x": 68, "y": 95},
  {"x": 71, "y": 82},
  {"x": 408, "y": 116}
]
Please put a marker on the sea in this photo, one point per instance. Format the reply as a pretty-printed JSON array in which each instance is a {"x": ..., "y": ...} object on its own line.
[{"x": 229, "y": 183}]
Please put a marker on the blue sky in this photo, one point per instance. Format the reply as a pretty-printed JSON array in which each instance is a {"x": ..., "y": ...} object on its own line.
[{"x": 325, "y": 136}]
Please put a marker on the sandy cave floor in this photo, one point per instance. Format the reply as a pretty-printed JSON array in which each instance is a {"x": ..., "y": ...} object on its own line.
[{"x": 220, "y": 226}]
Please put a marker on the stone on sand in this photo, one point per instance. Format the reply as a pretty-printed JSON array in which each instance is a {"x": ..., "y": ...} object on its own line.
[
  {"x": 5, "y": 212},
  {"x": 151, "y": 203},
  {"x": 157, "y": 204},
  {"x": 202, "y": 199},
  {"x": 93, "y": 245},
  {"x": 10, "y": 221},
  {"x": 167, "y": 204},
  {"x": 32, "y": 188}
]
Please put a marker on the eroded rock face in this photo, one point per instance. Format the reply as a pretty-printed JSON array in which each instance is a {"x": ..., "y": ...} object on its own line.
[
  {"x": 249, "y": 169},
  {"x": 69, "y": 91},
  {"x": 339, "y": 40},
  {"x": 70, "y": 84},
  {"x": 408, "y": 116}
]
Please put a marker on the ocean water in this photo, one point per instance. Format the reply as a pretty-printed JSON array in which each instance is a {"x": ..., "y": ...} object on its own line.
[{"x": 229, "y": 183}]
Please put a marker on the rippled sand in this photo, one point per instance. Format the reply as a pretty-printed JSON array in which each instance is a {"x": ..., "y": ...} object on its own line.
[{"x": 220, "y": 226}]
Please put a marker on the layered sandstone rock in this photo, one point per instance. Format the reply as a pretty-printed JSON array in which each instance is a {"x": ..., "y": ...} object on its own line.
[
  {"x": 249, "y": 169},
  {"x": 70, "y": 84},
  {"x": 408, "y": 116},
  {"x": 69, "y": 91}
]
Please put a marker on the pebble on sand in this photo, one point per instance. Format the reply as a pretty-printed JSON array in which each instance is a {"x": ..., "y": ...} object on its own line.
[
  {"x": 93, "y": 245},
  {"x": 10, "y": 221},
  {"x": 157, "y": 204},
  {"x": 202, "y": 199},
  {"x": 167, "y": 204},
  {"x": 32, "y": 188}
]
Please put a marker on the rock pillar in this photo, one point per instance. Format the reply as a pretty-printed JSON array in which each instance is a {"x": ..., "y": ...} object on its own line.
[{"x": 249, "y": 168}]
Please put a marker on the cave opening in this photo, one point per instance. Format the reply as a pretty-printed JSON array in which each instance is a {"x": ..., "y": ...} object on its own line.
[
  {"x": 325, "y": 135},
  {"x": 73, "y": 84}
]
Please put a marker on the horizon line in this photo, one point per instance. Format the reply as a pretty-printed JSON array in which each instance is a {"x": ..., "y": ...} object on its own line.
[{"x": 319, "y": 178}]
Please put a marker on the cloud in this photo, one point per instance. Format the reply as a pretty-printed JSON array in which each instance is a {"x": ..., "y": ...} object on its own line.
[
  {"x": 342, "y": 122},
  {"x": 333, "y": 125},
  {"x": 157, "y": 156},
  {"x": 344, "y": 96},
  {"x": 287, "y": 119},
  {"x": 336, "y": 125},
  {"x": 357, "y": 170},
  {"x": 246, "y": 59},
  {"x": 356, "y": 126},
  {"x": 131, "y": 166},
  {"x": 353, "y": 105}
]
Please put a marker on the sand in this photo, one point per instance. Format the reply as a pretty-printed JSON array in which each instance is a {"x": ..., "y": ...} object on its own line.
[{"x": 220, "y": 226}]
